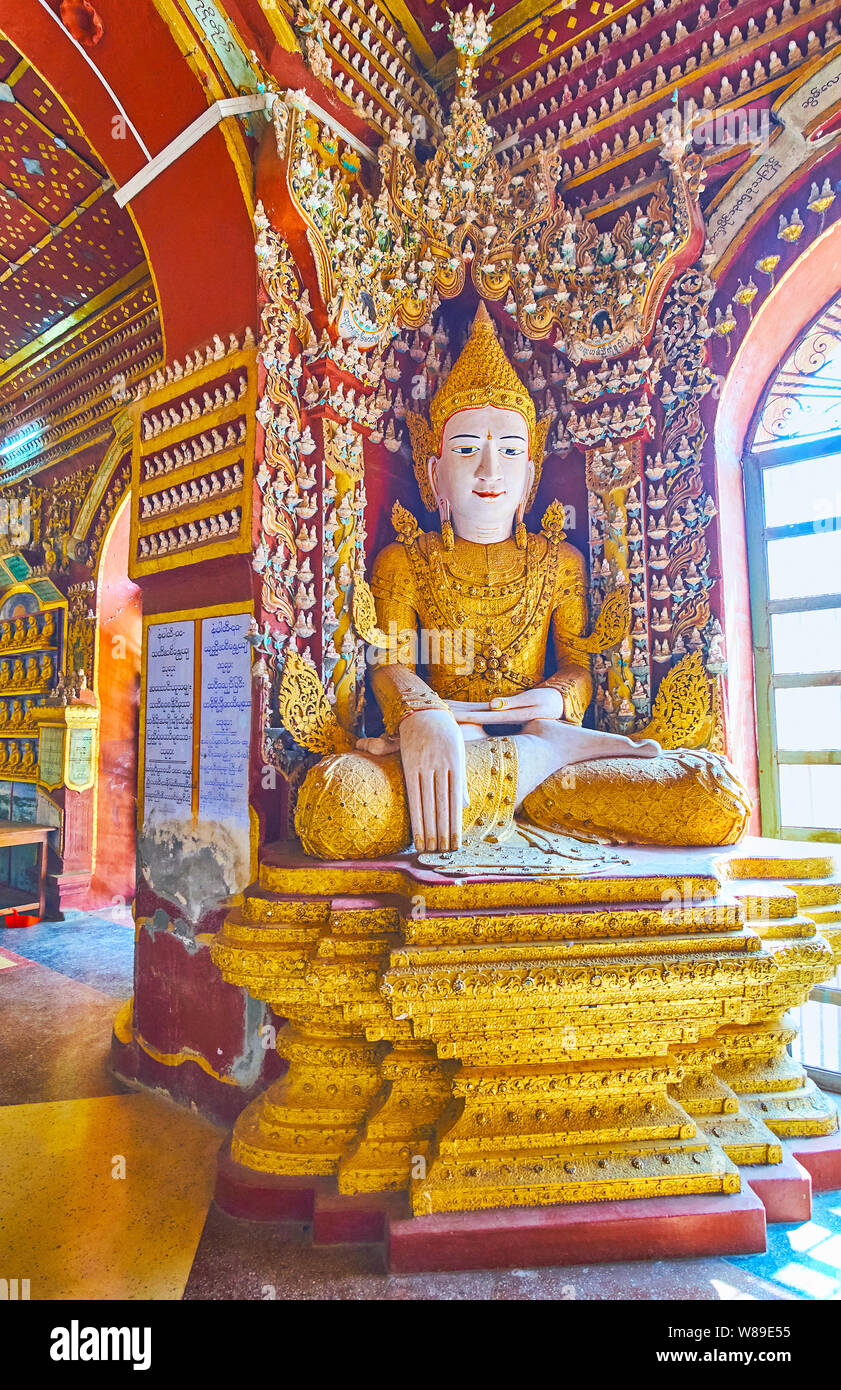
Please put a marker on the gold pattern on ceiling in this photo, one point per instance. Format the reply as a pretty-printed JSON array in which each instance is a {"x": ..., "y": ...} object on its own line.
[{"x": 72, "y": 274}]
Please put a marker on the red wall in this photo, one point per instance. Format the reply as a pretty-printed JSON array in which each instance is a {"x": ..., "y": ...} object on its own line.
[
  {"x": 118, "y": 691},
  {"x": 193, "y": 218}
]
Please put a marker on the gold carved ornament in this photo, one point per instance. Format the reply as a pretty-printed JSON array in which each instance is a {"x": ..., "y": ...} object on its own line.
[
  {"x": 611, "y": 627},
  {"x": 365, "y": 613},
  {"x": 305, "y": 711},
  {"x": 467, "y": 212},
  {"x": 682, "y": 716}
]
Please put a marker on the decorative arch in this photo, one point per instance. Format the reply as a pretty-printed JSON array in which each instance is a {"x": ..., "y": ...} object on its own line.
[
  {"x": 798, "y": 298},
  {"x": 803, "y": 401},
  {"x": 194, "y": 219},
  {"x": 116, "y": 685}
]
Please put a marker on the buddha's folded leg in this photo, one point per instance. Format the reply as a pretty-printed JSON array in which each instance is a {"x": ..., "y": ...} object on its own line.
[
  {"x": 353, "y": 805},
  {"x": 677, "y": 798}
]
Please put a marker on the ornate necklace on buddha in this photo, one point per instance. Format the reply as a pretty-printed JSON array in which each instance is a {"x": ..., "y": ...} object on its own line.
[{"x": 499, "y": 636}]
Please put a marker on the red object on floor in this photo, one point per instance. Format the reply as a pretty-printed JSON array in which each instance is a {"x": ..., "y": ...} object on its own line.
[
  {"x": 821, "y": 1158},
  {"x": 261, "y": 1196},
  {"x": 638, "y": 1229},
  {"x": 360, "y": 1220},
  {"x": 785, "y": 1189},
  {"x": 17, "y": 919}
]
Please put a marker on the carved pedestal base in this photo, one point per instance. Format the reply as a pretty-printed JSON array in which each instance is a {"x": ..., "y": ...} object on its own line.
[
  {"x": 528, "y": 1041},
  {"x": 396, "y": 1137},
  {"x": 305, "y": 1121}
]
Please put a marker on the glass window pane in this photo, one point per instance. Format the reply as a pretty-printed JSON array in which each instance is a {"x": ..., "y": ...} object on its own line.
[
  {"x": 804, "y": 491},
  {"x": 802, "y": 566},
  {"x": 806, "y": 642},
  {"x": 818, "y": 1042},
  {"x": 810, "y": 718},
  {"x": 811, "y": 797}
]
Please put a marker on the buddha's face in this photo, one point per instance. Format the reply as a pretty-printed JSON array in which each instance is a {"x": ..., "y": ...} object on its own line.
[{"x": 484, "y": 471}]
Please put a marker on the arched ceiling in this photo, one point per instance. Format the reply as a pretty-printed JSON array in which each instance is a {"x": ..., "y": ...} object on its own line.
[
  {"x": 92, "y": 296},
  {"x": 63, "y": 241},
  {"x": 75, "y": 290},
  {"x": 589, "y": 77}
]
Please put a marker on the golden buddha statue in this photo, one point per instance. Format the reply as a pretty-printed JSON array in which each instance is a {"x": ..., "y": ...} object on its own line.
[{"x": 476, "y": 729}]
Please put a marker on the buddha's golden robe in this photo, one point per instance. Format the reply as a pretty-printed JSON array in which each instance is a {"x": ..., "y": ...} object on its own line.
[
  {"x": 474, "y": 623},
  {"x": 483, "y": 613}
]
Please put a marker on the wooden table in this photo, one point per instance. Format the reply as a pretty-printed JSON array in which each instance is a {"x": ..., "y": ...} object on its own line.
[{"x": 19, "y": 833}]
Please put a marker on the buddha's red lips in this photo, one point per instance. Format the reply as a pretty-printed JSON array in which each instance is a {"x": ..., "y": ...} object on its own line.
[{"x": 477, "y": 493}]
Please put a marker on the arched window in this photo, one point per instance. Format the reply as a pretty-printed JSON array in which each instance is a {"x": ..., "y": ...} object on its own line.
[{"x": 793, "y": 509}]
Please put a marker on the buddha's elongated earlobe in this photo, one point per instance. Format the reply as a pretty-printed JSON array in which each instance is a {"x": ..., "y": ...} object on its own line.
[
  {"x": 448, "y": 538},
  {"x": 520, "y": 535},
  {"x": 447, "y": 534}
]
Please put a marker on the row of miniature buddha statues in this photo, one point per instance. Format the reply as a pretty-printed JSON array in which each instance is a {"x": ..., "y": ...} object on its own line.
[
  {"x": 16, "y": 715},
  {"x": 18, "y": 757},
  {"x": 171, "y": 417},
  {"x": 35, "y": 673},
  {"x": 33, "y": 630}
]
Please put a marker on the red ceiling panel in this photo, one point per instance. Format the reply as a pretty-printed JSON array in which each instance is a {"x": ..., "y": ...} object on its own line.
[{"x": 63, "y": 240}]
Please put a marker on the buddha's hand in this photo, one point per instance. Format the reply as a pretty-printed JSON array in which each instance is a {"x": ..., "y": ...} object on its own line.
[
  {"x": 433, "y": 759},
  {"x": 544, "y": 702}
]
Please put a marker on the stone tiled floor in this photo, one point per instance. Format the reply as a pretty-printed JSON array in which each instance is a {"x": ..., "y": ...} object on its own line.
[
  {"x": 95, "y": 948},
  {"x": 77, "y": 1228}
]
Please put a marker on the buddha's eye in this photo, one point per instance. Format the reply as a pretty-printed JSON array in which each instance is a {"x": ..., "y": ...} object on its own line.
[
  {"x": 511, "y": 451},
  {"x": 465, "y": 449}
]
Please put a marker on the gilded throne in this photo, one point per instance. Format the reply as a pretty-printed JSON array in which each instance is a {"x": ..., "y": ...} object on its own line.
[{"x": 557, "y": 1033}]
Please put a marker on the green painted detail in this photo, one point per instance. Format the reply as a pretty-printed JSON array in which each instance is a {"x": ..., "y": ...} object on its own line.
[
  {"x": 45, "y": 591},
  {"x": 13, "y": 570}
]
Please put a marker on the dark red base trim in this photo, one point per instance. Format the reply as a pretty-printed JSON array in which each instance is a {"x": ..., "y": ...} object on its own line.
[
  {"x": 785, "y": 1189},
  {"x": 187, "y": 1083},
  {"x": 821, "y": 1158},
  {"x": 654, "y": 1228}
]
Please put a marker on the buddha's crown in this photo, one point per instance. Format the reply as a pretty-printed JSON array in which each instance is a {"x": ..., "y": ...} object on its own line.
[{"x": 481, "y": 375}]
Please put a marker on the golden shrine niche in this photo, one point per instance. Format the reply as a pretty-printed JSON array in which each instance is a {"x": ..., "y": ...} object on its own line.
[
  {"x": 541, "y": 1017},
  {"x": 33, "y": 638},
  {"x": 535, "y": 1019},
  {"x": 192, "y": 455}
]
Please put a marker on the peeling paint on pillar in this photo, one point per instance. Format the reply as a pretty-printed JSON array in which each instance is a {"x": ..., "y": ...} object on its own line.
[{"x": 195, "y": 867}]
